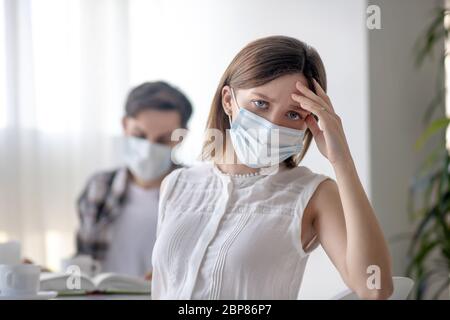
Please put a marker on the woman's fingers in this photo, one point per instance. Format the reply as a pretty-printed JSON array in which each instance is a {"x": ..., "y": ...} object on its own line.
[
  {"x": 312, "y": 106},
  {"x": 321, "y": 97},
  {"x": 311, "y": 95},
  {"x": 312, "y": 125},
  {"x": 322, "y": 94}
]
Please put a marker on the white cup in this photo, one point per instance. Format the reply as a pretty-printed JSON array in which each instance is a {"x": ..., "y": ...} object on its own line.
[
  {"x": 86, "y": 264},
  {"x": 10, "y": 252},
  {"x": 19, "y": 279}
]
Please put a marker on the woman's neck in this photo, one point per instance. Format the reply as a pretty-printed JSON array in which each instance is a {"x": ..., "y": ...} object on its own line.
[
  {"x": 231, "y": 167},
  {"x": 236, "y": 168}
]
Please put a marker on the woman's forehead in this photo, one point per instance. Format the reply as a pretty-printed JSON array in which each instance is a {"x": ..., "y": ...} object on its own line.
[{"x": 279, "y": 88}]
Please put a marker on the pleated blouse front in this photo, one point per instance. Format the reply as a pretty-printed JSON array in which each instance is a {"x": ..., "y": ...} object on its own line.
[{"x": 227, "y": 237}]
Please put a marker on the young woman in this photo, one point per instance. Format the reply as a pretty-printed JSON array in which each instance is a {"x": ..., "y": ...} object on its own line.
[
  {"x": 118, "y": 209},
  {"x": 240, "y": 230}
]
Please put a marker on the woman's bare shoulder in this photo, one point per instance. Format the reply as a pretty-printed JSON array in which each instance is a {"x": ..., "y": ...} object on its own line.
[{"x": 325, "y": 197}]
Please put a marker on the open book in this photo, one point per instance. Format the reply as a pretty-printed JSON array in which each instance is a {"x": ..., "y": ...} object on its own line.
[{"x": 65, "y": 284}]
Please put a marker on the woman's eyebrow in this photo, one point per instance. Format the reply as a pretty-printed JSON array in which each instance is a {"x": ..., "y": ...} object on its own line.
[{"x": 263, "y": 96}]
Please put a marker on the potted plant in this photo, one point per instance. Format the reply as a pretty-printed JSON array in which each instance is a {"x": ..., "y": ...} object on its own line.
[{"x": 429, "y": 194}]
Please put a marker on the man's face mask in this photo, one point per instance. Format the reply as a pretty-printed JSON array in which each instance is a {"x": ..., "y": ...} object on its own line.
[{"x": 147, "y": 160}]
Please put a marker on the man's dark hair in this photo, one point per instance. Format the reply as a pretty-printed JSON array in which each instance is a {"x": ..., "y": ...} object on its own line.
[{"x": 158, "y": 95}]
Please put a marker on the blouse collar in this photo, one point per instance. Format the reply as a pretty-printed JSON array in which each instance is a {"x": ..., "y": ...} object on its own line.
[{"x": 263, "y": 172}]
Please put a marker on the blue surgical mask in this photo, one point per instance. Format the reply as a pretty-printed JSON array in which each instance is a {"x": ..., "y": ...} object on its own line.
[{"x": 259, "y": 143}]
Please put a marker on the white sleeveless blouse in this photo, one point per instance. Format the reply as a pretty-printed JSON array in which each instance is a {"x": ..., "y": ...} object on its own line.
[{"x": 228, "y": 237}]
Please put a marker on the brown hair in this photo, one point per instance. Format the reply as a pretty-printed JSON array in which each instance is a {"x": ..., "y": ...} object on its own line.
[
  {"x": 158, "y": 95},
  {"x": 258, "y": 63}
]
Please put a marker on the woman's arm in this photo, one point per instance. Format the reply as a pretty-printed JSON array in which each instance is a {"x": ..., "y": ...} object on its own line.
[
  {"x": 342, "y": 215},
  {"x": 349, "y": 232}
]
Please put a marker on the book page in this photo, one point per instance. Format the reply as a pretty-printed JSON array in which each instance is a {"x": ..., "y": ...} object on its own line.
[
  {"x": 113, "y": 282},
  {"x": 59, "y": 282}
]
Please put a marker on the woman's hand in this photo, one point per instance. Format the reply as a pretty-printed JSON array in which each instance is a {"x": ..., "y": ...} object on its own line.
[
  {"x": 344, "y": 218},
  {"x": 330, "y": 139}
]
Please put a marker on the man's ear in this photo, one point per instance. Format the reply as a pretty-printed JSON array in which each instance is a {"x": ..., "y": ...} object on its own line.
[
  {"x": 226, "y": 100},
  {"x": 125, "y": 124}
]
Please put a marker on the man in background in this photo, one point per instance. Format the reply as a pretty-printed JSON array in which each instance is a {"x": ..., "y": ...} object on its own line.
[{"x": 118, "y": 209}]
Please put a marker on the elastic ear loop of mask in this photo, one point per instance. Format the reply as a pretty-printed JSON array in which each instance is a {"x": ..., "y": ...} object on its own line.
[{"x": 235, "y": 101}]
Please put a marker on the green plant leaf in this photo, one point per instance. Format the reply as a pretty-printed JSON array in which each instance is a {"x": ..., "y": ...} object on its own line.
[
  {"x": 443, "y": 287},
  {"x": 435, "y": 32},
  {"x": 438, "y": 99},
  {"x": 433, "y": 159},
  {"x": 425, "y": 250},
  {"x": 434, "y": 127}
]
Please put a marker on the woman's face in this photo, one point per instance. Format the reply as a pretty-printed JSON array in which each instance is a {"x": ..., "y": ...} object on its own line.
[
  {"x": 154, "y": 125},
  {"x": 271, "y": 101}
]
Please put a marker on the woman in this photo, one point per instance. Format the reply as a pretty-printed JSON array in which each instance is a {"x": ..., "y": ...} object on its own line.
[
  {"x": 118, "y": 209},
  {"x": 244, "y": 230}
]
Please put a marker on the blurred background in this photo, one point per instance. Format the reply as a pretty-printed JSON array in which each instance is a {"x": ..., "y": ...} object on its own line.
[{"x": 66, "y": 67}]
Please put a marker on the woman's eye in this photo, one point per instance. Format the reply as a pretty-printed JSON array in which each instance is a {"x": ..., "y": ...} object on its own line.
[
  {"x": 293, "y": 115},
  {"x": 260, "y": 104}
]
